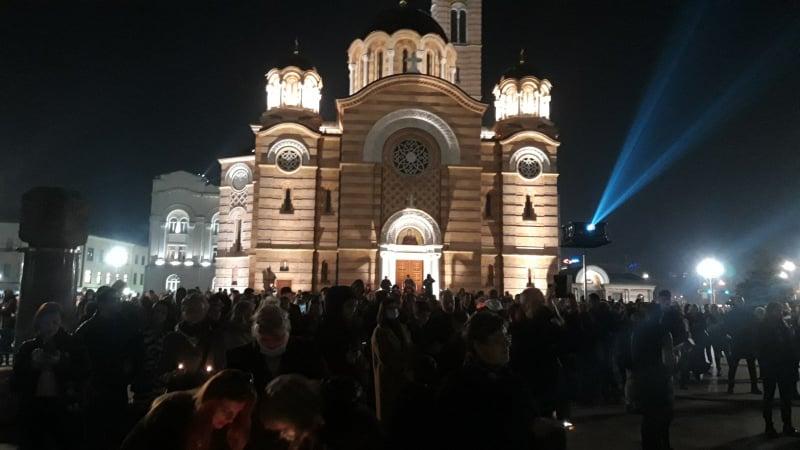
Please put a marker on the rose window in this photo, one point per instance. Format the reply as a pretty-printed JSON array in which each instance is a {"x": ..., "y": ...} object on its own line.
[
  {"x": 240, "y": 179},
  {"x": 529, "y": 167},
  {"x": 410, "y": 157},
  {"x": 289, "y": 160}
]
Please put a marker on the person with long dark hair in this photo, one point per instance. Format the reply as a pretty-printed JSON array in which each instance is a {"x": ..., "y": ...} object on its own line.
[
  {"x": 216, "y": 415},
  {"x": 48, "y": 370}
]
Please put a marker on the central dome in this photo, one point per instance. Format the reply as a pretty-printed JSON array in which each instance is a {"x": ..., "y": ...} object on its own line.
[{"x": 404, "y": 17}]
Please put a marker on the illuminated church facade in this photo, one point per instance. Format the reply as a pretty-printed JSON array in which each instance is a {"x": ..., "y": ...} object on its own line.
[{"x": 406, "y": 180}]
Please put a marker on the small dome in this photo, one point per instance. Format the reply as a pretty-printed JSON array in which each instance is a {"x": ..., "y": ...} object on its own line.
[
  {"x": 520, "y": 69},
  {"x": 404, "y": 17}
]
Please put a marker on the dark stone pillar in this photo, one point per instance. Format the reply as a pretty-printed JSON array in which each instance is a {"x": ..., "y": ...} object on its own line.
[{"x": 53, "y": 223}]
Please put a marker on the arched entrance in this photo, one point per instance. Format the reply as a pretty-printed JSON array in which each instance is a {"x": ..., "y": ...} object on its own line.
[{"x": 411, "y": 244}]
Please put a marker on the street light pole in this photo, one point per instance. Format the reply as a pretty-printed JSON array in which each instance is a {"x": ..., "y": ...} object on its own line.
[{"x": 585, "y": 280}]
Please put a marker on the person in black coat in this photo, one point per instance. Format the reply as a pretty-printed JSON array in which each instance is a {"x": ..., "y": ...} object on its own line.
[
  {"x": 740, "y": 326},
  {"x": 48, "y": 371},
  {"x": 535, "y": 349},
  {"x": 274, "y": 352},
  {"x": 486, "y": 390},
  {"x": 777, "y": 357},
  {"x": 115, "y": 348}
]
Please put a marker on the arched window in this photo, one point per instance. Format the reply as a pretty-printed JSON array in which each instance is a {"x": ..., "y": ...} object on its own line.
[
  {"x": 462, "y": 27},
  {"x": 405, "y": 60},
  {"x": 487, "y": 206},
  {"x": 177, "y": 221},
  {"x": 379, "y": 65},
  {"x": 458, "y": 24},
  {"x": 183, "y": 225},
  {"x": 429, "y": 63},
  {"x": 173, "y": 281}
]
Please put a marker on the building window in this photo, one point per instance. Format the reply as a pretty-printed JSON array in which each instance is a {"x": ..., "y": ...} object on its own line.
[
  {"x": 213, "y": 253},
  {"x": 172, "y": 225},
  {"x": 116, "y": 276},
  {"x": 458, "y": 25},
  {"x": 125, "y": 277},
  {"x": 379, "y": 61},
  {"x": 87, "y": 276},
  {"x": 136, "y": 259},
  {"x": 287, "y": 207},
  {"x": 98, "y": 278},
  {"x": 411, "y": 157},
  {"x": 134, "y": 278},
  {"x": 176, "y": 252},
  {"x": 215, "y": 227},
  {"x": 429, "y": 63},
  {"x": 405, "y": 60},
  {"x": 289, "y": 160},
  {"x": 328, "y": 209},
  {"x": 527, "y": 211},
  {"x": 529, "y": 167},
  {"x": 462, "y": 27},
  {"x": 173, "y": 281},
  {"x": 108, "y": 277},
  {"x": 487, "y": 206},
  {"x": 90, "y": 254}
]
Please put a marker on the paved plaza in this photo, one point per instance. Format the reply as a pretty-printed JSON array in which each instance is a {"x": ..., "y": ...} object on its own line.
[{"x": 705, "y": 418}]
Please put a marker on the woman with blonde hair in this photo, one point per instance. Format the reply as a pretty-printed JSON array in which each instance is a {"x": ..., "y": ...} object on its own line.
[{"x": 216, "y": 415}]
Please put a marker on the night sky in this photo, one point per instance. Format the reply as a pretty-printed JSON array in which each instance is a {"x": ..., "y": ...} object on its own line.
[{"x": 103, "y": 96}]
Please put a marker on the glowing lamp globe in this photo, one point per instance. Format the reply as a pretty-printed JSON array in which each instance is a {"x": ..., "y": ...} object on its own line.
[
  {"x": 710, "y": 268},
  {"x": 116, "y": 257},
  {"x": 788, "y": 266}
]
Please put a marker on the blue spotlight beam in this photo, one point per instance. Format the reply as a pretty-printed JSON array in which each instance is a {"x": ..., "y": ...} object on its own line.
[
  {"x": 664, "y": 71},
  {"x": 733, "y": 99}
]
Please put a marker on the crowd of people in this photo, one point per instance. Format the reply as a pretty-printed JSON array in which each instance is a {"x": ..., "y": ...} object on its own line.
[{"x": 394, "y": 368}]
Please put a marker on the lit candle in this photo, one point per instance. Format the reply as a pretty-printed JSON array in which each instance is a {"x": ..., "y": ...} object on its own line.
[
  {"x": 209, "y": 368},
  {"x": 180, "y": 366}
]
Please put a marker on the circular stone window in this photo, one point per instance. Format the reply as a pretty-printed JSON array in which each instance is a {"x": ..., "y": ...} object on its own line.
[
  {"x": 240, "y": 179},
  {"x": 289, "y": 160},
  {"x": 529, "y": 167},
  {"x": 410, "y": 157}
]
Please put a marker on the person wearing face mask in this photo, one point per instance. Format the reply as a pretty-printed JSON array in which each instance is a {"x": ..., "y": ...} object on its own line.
[
  {"x": 486, "y": 387},
  {"x": 216, "y": 415},
  {"x": 392, "y": 357},
  {"x": 274, "y": 351},
  {"x": 47, "y": 373},
  {"x": 776, "y": 357}
]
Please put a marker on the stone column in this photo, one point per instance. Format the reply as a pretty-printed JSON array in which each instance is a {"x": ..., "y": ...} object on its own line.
[{"x": 53, "y": 223}]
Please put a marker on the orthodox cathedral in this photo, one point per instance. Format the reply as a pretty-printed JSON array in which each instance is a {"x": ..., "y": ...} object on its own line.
[{"x": 406, "y": 181}]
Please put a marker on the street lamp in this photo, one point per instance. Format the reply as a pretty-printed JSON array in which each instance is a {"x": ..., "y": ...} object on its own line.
[
  {"x": 710, "y": 268},
  {"x": 783, "y": 275},
  {"x": 788, "y": 266},
  {"x": 646, "y": 276}
]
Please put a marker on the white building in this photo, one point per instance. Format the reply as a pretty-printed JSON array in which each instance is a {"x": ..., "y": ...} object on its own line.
[
  {"x": 10, "y": 258},
  {"x": 619, "y": 286},
  {"x": 183, "y": 232},
  {"x": 103, "y": 261}
]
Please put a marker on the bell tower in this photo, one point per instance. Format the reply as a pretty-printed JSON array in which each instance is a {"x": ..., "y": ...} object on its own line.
[{"x": 462, "y": 21}]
